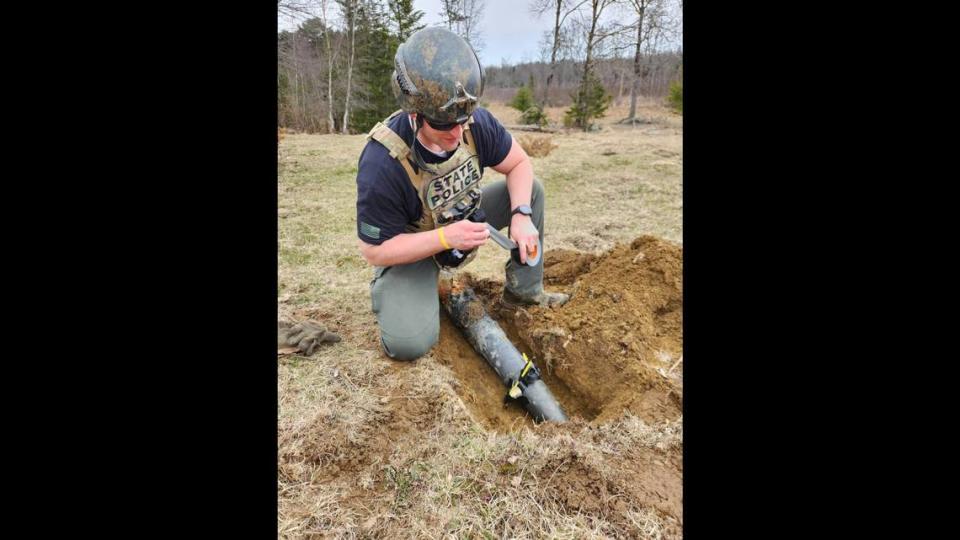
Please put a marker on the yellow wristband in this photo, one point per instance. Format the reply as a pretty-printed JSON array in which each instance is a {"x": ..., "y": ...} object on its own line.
[{"x": 443, "y": 241}]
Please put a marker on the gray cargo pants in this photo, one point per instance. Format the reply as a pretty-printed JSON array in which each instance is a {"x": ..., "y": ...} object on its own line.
[{"x": 405, "y": 298}]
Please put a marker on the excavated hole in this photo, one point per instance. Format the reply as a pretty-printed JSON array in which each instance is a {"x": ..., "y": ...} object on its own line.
[{"x": 616, "y": 347}]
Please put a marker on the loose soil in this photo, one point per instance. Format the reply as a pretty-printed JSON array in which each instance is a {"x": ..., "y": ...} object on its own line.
[{"x": 616, "y": 346}]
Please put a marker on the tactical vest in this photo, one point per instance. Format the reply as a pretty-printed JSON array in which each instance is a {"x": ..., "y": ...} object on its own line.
[{"x": 448, "y": 195}]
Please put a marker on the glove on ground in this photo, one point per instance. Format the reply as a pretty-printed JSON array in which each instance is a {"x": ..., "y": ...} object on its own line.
[{"x": 306, "y": 336}]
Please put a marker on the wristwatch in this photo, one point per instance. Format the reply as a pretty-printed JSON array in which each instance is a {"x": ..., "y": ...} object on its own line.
[{"x": 522, "y": 209}]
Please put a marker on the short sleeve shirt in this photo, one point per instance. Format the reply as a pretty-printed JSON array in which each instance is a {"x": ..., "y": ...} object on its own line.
[{"x": 386, "y": 199}]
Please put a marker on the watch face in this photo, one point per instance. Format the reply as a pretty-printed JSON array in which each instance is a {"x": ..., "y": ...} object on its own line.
[{"x": 523, "y": 209}]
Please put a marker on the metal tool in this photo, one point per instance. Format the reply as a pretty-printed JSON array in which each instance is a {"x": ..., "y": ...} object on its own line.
[{"x": 506, "y": 243}]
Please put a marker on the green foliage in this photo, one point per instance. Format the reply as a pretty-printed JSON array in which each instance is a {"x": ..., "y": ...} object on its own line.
[
  {"x": 523, "y": 99},
  {"x": 312, "y": 29},
  {"x": 524, "y": 102},
  {"x": 406, "y": 18},
  {"x": 534, "y": 115},
  {"x": 675, "y": 99},
  {"x": 375, "y": 49},
  {"x": 588, "y": 103}
]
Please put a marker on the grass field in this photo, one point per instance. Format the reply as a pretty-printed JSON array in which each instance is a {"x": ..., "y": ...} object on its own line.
[{"x": 371, "y": 448}]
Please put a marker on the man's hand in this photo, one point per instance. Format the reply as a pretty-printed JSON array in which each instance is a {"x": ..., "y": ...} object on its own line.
[
  {"x": 465, "y": 234},
  {"x": 525, "y": 234}
]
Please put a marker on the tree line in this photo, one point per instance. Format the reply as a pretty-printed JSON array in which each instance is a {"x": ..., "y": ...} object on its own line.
[
  {"x": 334, "y": 76},
  {"x": 334, "y": 69},
  {"x": 616, "y": 74}
]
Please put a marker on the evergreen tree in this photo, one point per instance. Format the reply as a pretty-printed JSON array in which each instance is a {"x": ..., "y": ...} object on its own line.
[
  {"x": 523, "y": 99},
  {"x": 589, "y": 103},
  {"x": 675, "y": 98},
  {"x": 405, "y": 18},
  {"x": 525, "y": 102},
  {"x": 376, "y": 47}
]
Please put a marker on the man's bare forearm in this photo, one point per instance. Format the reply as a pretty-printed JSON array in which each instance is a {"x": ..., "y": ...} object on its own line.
[
  {"x": 411, "y": 247},
  {"x": 402, "y": 249},
  {"x": 520, "y": 183}
]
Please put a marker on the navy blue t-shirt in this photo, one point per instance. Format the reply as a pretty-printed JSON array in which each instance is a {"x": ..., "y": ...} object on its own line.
[{"x": 387, "y": 200}]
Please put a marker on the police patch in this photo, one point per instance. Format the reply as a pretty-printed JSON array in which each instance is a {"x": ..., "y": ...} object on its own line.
[{"x": 449, "y": 186}]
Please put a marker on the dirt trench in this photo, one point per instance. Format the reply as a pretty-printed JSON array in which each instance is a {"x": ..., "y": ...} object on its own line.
[{"x": 616, "y": 346}]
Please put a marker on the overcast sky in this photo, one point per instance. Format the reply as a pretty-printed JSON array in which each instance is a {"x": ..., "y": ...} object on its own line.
[
  {"x": 510, "y": 33},
  {"x": 508, "y": 30}
]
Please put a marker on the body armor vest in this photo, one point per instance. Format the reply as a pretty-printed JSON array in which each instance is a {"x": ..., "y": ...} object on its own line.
[{"x": 448, "y": 195}]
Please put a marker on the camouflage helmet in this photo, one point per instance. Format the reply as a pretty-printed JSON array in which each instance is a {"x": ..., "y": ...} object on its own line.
[{"x": 438, "y": 75}]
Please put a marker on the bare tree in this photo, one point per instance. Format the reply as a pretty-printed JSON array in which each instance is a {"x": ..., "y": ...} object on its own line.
[
  {"x": 294, "y": 9},
  {"x": 654, "y": 21},
  {"x": 301, "y": 62},
  {"x": 463, "y": 18},
  {"x": 350, "y": 12},
  {"x": 473, "y": 14},
  {"x": 325, "y": 20},
  {"x": 562, "y": 9},
  {"x": 595, "y": 34}
]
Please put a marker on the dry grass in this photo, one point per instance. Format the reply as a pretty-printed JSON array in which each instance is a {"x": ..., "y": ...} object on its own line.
[
  {"x": 369, "y": 448},
  {"x": 536, "y": 146},
  {"x": 651, "y": 113}
]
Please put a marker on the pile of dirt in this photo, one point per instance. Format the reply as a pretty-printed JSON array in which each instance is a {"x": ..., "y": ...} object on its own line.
[
  {"x": 616, "y": 346},
  {"x": 585, "y": 484}
]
